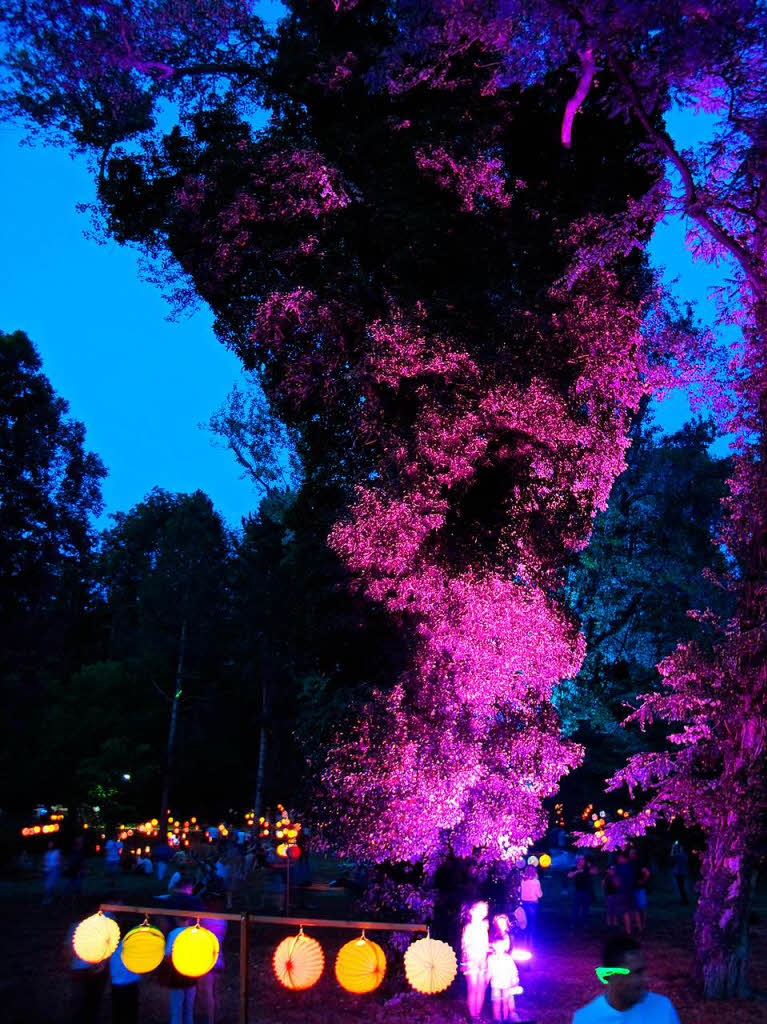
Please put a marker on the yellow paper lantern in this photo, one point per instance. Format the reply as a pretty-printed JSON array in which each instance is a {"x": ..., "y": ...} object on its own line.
[
  {"x": 430, "y": 965},
  {"x": 360, "y": 965},
  {"x": 96, "y": 938},
  {"x": 143, "y": 949},
  {"x": 298, "y": 962},
  {"x": 195, "y": 951},
  {"x": 545, "y": 860}
]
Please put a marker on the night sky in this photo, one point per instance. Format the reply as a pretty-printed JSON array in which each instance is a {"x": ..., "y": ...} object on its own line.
[{"x": 141, "y": 384}]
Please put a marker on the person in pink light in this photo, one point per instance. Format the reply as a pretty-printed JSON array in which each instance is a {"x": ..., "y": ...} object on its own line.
[
  {"x": 475, "y": 947},
  {"x": 531, "y": 893},
  {"x": 500, "y": 931},
  {"x": 504, "y": 980}
]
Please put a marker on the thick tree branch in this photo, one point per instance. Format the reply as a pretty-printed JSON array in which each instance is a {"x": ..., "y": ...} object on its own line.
[
  {"x": 693, "y": 205},
  {"x": 588, "y": 70}
]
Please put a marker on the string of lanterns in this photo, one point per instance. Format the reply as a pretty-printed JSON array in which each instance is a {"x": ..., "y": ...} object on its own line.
[{"x": 298, "y": 961}]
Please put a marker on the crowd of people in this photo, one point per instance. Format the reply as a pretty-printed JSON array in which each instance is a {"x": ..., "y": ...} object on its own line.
[
  {"x": 203, "y": 878},
  {"x": 500, "y": 921}
]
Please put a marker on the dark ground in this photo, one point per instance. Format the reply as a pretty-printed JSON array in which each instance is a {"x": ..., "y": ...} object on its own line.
[{"x": 35, "y": 984}]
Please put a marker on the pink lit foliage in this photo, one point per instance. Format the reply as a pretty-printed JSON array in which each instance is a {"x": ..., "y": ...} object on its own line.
[
  {"x": 466, "y": 746},
  {"x": 473, "y": 422},
  {"x": 707, "y": 56}
]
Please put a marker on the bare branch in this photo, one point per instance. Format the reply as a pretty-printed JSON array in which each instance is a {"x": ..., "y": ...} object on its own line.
[
  {"x": 693, "y": 205},
  {"x": 588, "y": 70}
]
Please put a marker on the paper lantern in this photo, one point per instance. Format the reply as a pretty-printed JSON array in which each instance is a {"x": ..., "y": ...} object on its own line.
[
  {"x": 360, "y": 966},
  {"x": 545, "y": 860},
  {"x": 96, "y": 938},
  {"x": 195, "y": 951},
  {"x": 533, "y": 862},
  {"x": 298, "y": 962},
  {"x": 430, "y": 965},
  {"x": 143, "y": 949}
]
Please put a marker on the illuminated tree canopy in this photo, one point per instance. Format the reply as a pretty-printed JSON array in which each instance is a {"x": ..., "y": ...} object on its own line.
[{"x": 431, "y": 256}]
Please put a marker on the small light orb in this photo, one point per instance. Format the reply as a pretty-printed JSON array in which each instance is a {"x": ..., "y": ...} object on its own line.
[
  {"x": 195, "y": 951},
  {"x": 360, "y": 966},
  {"x": 143, "y": 949},
  {"x": 96, "y": 938},
  {"x": 298, "y": 962},
  {"x": 430, "y": 965}
]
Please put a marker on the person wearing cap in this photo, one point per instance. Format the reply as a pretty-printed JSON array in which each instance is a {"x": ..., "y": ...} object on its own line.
[{"x": 625, "y": 999}]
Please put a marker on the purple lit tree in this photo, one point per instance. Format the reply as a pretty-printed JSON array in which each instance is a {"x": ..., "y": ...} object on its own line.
[
  {"x": 442, "y": 303},
  {"x": 709, "y": 56},
  {"x": 403, "y": 269}
]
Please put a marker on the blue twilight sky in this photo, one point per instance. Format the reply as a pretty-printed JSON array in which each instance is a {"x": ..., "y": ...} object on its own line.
[{"x": 141, "y": 384}]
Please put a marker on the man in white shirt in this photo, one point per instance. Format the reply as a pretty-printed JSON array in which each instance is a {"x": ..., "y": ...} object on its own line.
[{"x": 626, "y": 999}]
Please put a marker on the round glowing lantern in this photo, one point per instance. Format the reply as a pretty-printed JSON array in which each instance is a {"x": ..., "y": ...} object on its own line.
[
  {"x": 360, "y": 966},
  {"x": 533, "y": 862},
  {"x": 294, "y": 852},
  {"x": 298, "y": 962},
  {"x": 430, "y": 965},
  {"x": 545, "y": 860},
  {"x": 195, "y": 951},
  {"x": 143, "y": 949},
  {"x": 96, "y": 938}
]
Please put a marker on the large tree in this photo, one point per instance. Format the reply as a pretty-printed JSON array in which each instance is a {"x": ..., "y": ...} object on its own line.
[
  {"x": 710, "y": 56},
  {"x": 400, "y": 268},
  {"x": 50, "y": 494}
]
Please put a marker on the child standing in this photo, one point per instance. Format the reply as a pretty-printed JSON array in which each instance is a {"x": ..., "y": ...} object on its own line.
[
  {"x": 504, "y": 981},
  {"x": 531, "y": 893},
  {"x": 475, "y": 946},
  {"x": 51, "y": 871},
  {"x": 500, "y": 931}
]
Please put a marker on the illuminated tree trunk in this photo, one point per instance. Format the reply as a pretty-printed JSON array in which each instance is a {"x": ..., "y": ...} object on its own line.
[
  {"x": 258, "y": 800},
  {"x": 177, "y": 690},
  {"x": 721, "y": 920},
  {"x": 729, "y": 869}
]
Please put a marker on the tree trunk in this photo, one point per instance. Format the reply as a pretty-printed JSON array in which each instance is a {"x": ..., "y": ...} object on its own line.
[
  {"x": 258, "y": 799},
  {"x": 177, "y": 689},
  {"x": 722, "y": 947}
]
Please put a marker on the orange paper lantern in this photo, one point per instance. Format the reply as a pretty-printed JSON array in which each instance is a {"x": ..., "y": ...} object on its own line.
[
  {"x": 360, "y": 966},
  {"x": 430, "y": 965},
  {"x": 143, "y": 949},
  {"x": 195, "y": 951},
  {"x": 545, "y": 860},
  {"x": 298, "y": 962},
  {"x": 96, "y": 938}
]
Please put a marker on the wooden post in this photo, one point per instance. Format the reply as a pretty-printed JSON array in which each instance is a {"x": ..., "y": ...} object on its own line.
[
  {"x": 244, "y": 968},
  {"x": 287, "y": 885}
]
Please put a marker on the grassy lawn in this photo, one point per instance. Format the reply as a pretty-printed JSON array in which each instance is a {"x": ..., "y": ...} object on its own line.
[{"x": 34, "y": 982}]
